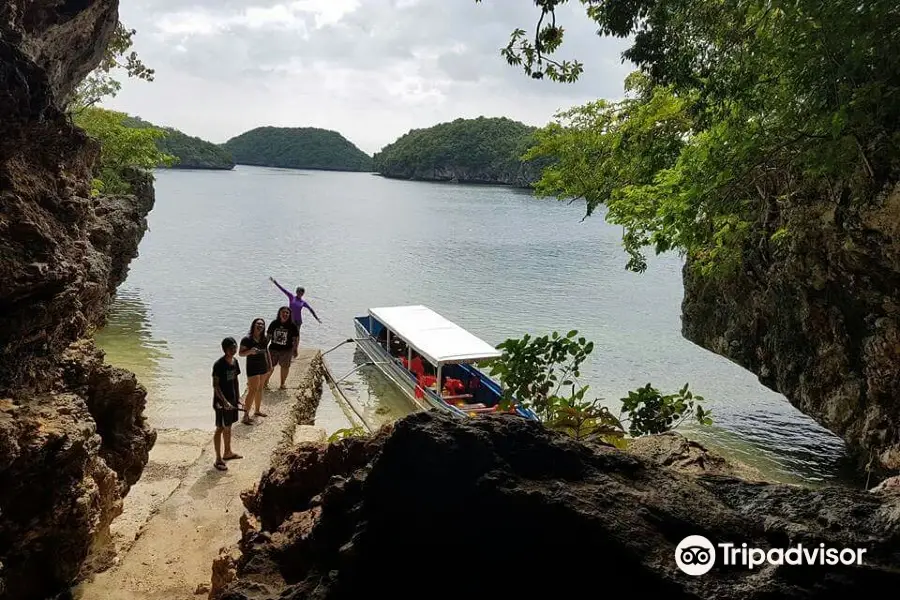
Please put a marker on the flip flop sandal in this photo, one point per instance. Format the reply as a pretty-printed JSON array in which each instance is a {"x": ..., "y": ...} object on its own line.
[
  {"x": 221, "y": 465},
  {"x": 232, "y": 457},
  {"x": 259, "y": 414}
]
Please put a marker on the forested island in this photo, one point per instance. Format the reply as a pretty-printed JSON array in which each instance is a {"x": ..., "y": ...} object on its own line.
[
  {"x": 482, "y": 150},
  {"x": 298, "y": 148},
  {"x": 191, "y": 152}
]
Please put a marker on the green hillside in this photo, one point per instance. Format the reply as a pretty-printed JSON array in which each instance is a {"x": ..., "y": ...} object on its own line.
[
  {"x": 298, "y": 148},
  {"x": 482, "y": 150},
  {"x": 192, "y": 152}
]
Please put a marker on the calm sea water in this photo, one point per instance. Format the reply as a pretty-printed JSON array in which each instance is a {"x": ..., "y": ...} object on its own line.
[{"x": 499, "y": 262}]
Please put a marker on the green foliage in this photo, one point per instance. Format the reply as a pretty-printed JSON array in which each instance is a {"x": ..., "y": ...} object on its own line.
[
  {"x": 100, "y": 83},
  {"x": 347, "y": 432},
  {"x": 742, "y": 109},
  {"x": 623, "y": 155},
  {"x": 486, "y": 149},
  {"x": 649, "y": 412},
  {"x": 533, "y": 54},
  {"x": 533, "y": 370},
  {"x": 586, "y": 420},
  {"x": 541, "y": 374},
  {"x": 297, "y": 148},
  {"x": 122, "y": 148},
  {"x": 190, "y": 152}
]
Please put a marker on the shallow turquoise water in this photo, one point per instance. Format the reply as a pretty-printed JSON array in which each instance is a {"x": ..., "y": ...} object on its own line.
[{"x": 499, "y": 262}]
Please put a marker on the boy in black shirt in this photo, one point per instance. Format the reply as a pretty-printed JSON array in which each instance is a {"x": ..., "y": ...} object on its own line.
[{"x": 226, "y": 396}]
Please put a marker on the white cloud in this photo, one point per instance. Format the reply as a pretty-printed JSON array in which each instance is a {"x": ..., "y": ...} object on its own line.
[{"x": 370, "y": 69}]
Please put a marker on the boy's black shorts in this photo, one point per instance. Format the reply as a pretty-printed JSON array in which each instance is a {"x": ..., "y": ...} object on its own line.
[{"x": 226, "y": 417}]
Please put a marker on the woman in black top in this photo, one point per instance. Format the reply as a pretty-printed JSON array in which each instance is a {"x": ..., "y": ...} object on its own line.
[
  {"x": 253, "y": 347},
  {"x": 284, "y": 338}
]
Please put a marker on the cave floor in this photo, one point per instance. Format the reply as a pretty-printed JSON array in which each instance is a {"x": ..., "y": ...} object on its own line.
[{"x": 183, "y": 510}]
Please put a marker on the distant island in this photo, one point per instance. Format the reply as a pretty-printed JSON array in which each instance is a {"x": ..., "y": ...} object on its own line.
[
  {"x": 482, "y": 150},
  {"x": 191, "y": 152},
  {"x": 298, "y": 148}
]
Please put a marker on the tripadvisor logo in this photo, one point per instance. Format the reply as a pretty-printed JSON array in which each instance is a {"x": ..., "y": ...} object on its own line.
[{"x": 696, "y": 555}]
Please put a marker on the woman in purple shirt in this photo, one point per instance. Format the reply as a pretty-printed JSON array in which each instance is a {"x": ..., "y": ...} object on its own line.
[{"x": 296, "y": 303}]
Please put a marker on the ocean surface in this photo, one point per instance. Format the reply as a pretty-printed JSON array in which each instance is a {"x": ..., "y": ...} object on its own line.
[{"x": 498, "y": 261}]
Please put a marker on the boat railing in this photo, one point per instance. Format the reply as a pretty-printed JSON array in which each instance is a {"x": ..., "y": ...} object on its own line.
[
  {"x": 338, "y": 392},
  {"x": 347, "y": 341},
  {"x": 357, "y": 368}
]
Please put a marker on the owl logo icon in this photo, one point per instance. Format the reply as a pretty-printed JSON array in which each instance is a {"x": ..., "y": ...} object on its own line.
[{"x": 695, "y": 555}]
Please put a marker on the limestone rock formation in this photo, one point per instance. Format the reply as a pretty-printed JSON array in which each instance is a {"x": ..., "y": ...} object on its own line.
[
  {"x": 817, "y": 318},
  {"x": 68, "y": 456},
  {"x": 72, "y": 435},
  {"x": 437, "y": 506},
  {"x": 671, "y": 449},
  {"x": 55, "y": 239},
  {"x": 522, "y": 176}
]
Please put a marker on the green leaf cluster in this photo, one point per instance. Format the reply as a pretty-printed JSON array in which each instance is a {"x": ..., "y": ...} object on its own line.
[
  {"x": 740, "y": 110},
  {"x": 347, "y": 432},
  {"x": 121, "y": 148},
  {"x": 533, "y": 370},
  {"x": 541, "y": 373},
  {"x": 100, "y": 82},
  {"x": 533, "y": 54},
  {"x": 191, "y": 152},
  {"x": 649, "y": 412},
  {"x": 623, "y": 155}
]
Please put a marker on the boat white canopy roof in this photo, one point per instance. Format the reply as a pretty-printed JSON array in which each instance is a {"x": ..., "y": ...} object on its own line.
[{"x": 437, "y": 339}]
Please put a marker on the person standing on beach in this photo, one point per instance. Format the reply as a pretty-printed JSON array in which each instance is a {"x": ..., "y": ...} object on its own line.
[
  {"x": 285, "y": 339},
  {"x": 226, "y": 394},
  {"x": 296, "y": 304},
  {"x": 253, "y": 347}
]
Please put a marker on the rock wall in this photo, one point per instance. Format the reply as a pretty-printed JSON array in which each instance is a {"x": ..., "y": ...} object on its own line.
[
  {"x": 817, "y": 318},
  {"x": 72, "y": 435},
  {"x": 438, "y": 506}
]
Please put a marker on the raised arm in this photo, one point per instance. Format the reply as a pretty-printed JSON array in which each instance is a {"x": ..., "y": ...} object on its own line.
[
  {"x": 278, "y": 285},
  {"x": 306, "y": 304}
]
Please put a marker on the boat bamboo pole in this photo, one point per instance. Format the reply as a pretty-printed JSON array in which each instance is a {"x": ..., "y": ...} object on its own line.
[{"x": 338, "y": 392}]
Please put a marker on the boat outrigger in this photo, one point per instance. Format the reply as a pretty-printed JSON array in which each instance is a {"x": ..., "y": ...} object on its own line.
[{"x": 432, "y": 360}]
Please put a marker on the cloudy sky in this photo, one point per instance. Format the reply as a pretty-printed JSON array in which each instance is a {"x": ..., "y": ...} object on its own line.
[{"x": 370, "y": 69}]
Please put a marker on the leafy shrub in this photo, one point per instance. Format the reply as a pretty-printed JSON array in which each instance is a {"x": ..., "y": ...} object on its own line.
[
  {"x": 541, "y": 373},
  {"x": 347, "y": 432},
  {"x": 121, "y": 148}
]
